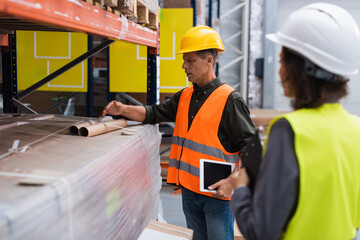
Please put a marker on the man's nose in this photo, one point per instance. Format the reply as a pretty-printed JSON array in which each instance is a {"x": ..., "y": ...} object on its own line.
[{"x": 183, "y": 65}]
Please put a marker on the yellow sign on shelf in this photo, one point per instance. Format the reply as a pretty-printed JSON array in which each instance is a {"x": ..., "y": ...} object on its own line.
[
  {"x": 41, "y": 53},
  {"x": 128, "y": 62},
  {"x": 127, "y": 68}
]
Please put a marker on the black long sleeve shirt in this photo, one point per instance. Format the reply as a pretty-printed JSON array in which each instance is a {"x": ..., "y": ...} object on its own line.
[
  {"x": 266, "y": 213},
  {"x": 236, "y": 126}
]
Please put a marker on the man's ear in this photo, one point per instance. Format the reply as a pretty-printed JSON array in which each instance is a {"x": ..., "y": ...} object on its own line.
[{"x": 210, "y": 59}]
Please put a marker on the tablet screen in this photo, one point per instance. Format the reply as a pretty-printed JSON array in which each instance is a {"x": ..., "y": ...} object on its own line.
[{"x": 212, "y": 172}]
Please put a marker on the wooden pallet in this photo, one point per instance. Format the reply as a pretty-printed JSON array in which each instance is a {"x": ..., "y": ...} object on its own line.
[
  {"x": 139, "y": 11},
  {"x": 146, "y": 17},
  {"x": 96, "y": 3}
]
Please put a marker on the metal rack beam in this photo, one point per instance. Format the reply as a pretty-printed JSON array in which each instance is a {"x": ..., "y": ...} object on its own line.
[
  {"x": 9, "y": 70},
  {"x": 90, "y": 83},
  {"x": 194, "y": 6},
  {"x": 271, "y": 8},
  {"x": 78, "y": 16},
  {"x": 152, "y": 95}
]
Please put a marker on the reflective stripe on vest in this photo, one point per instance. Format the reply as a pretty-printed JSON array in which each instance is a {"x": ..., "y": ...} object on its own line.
[
  {"x": 185, "y": 167},
  {"x": 200, "y": 141},
  {"x": 198, "y": 147},
  {"x": 327, "y": 148}
]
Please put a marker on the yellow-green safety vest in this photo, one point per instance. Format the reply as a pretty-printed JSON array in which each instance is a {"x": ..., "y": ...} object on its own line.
[{"x": 327, "y": 145}]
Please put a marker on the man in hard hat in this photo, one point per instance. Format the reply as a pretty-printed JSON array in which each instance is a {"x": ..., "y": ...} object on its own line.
[
  {"x": 212, "y": 122},
  {"x": 309, "y": 180}
]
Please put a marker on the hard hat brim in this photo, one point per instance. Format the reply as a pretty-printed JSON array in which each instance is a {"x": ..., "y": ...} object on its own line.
[
  {"x": 188, "y": 51},
  {"x": 273, "y": 37}
]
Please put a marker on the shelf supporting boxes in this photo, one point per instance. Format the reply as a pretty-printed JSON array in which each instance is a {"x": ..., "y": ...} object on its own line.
[{"x": 79, "y": 16}]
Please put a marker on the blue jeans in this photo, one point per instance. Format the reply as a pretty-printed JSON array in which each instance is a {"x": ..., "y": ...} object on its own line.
[{"x": 210, "y": 218}]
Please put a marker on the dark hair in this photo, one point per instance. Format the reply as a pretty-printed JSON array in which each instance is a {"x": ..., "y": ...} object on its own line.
[
  {"x": 204, "y": 53},
  {"x": 309, "y": 91}
]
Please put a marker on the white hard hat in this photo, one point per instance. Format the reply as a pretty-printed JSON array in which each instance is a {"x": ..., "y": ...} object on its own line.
[{"x": 325, "y": 34}]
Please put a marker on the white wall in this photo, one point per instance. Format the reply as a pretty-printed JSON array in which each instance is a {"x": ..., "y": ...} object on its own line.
[{"x": 285, "y": 7}]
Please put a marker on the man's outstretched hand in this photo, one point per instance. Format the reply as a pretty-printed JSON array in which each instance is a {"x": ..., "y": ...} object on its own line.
[{"x": 113, "y": 108}]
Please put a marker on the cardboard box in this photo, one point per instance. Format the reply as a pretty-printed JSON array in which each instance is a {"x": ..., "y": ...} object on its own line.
[
  {"x": 164, "y": 231},
  {"x": 176, "y": 4},
  {"x": 237, "y": 233},
  {"x": 263, "y": 117}
]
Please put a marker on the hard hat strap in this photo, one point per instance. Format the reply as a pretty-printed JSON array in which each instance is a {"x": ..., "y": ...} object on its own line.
[{"x": 315, "y": 71}]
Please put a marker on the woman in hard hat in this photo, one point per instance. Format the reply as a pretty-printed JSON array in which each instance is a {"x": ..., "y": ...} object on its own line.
[
  {"x": 308, "y": 185},
  {"x": 212, "y": 122}
]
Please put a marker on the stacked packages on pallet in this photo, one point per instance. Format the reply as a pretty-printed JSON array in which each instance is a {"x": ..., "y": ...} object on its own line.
[
  {"x": 140, "y": 11},
  {"x": 54, "y": 185}
]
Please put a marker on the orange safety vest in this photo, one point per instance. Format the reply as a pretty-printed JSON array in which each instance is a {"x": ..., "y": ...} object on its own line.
[{"x": 200, "y": 141}]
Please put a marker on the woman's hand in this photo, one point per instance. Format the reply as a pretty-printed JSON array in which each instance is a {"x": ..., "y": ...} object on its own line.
[{"x": 239, "y": 178}]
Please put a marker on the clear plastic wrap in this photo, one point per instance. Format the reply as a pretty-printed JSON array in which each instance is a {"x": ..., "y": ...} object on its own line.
[{"x": 103, "y": 187}]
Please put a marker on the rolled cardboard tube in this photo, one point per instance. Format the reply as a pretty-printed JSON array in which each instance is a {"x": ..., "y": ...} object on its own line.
[
  {"x": 74, "y": 129},
  {"x": 96, "y": 129}
]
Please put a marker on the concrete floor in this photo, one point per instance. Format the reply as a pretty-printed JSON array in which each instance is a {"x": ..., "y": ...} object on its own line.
[{"x": 172, "y": 206}]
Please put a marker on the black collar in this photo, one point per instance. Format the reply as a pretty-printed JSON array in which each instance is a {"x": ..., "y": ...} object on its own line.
[{"x": 208, "y": 87}]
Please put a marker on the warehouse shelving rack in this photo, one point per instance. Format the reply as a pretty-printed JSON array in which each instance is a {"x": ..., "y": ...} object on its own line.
[{"x": 69, "y": 15}]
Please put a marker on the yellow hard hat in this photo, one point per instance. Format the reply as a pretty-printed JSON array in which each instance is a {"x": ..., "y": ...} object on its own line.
[{"x": 201, "y": 38}]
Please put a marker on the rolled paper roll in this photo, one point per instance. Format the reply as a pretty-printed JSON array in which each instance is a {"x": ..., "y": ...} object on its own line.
[
  {"x": 74, "y": 129},
  {"x": 104, "y": 127}
]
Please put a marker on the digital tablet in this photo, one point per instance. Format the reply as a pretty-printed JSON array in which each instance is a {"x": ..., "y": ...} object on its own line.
[{"x": 213, "y": 171}]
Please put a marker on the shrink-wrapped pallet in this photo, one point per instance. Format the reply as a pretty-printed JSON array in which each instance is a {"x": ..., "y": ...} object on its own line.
[{"x": 59, "y": 186}]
